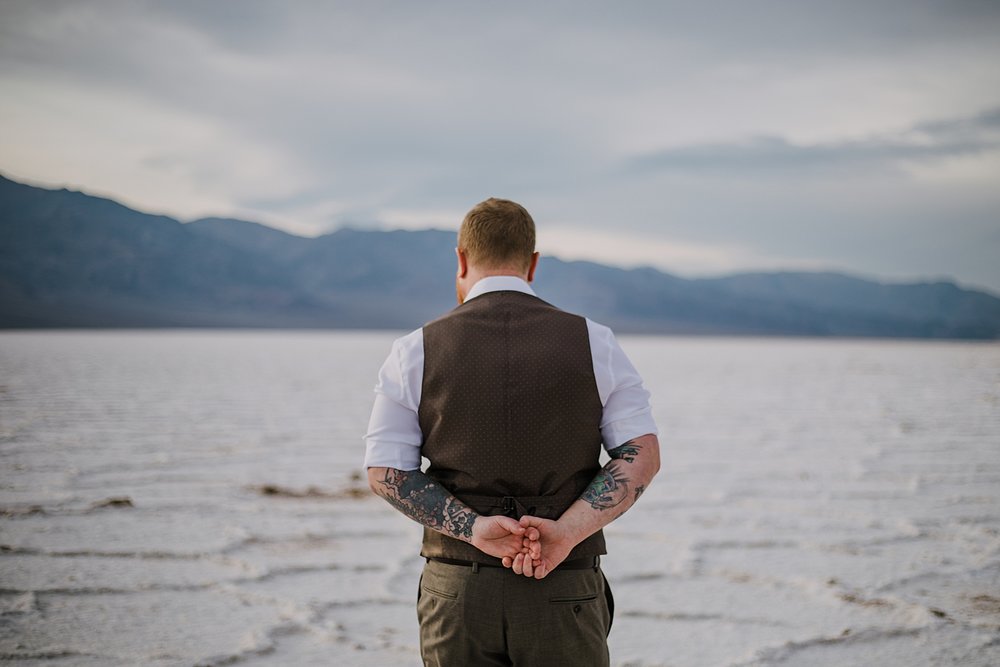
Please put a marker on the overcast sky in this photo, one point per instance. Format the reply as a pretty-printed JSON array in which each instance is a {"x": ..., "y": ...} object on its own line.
[{"x": 701, "y": 138}]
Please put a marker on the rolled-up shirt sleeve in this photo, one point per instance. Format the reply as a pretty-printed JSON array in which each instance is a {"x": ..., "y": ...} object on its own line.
[
  {"x": 627, "y": 413},
  {"x": 394, "y": 437}
]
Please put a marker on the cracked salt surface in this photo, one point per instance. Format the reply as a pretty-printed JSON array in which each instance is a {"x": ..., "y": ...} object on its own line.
[{"x": 186, "y": 497}]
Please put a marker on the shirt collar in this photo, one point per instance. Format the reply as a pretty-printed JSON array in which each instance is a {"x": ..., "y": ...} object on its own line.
[{"x": 499, "y": 284}]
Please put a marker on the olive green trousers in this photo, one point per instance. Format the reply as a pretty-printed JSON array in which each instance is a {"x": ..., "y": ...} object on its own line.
[{"x": 490, "y": 616}]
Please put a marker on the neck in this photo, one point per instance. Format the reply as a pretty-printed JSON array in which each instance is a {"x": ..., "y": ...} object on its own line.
[
  {"x": 475, "y": 275},
  {"x": 465, "y": 284}
]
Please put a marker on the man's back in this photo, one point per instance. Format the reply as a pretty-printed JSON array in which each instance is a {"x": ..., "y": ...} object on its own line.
[{"x": 510, "y": 411}]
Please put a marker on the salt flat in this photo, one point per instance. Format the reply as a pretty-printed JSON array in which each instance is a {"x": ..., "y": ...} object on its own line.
[{"x": 822, "y": 502}]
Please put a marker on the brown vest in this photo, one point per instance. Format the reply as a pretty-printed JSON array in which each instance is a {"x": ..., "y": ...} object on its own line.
[{"x": 510, "y": 412}]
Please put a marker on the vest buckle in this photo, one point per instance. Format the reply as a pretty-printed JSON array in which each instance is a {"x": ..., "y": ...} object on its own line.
[{"x": 510, "y": 507}]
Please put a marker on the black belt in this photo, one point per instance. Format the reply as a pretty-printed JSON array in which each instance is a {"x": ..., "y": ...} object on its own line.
[{"x": 586, "y": 563}]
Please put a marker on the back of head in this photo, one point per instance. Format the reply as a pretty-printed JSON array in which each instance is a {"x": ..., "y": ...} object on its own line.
[{"x": 498, "y": 234}]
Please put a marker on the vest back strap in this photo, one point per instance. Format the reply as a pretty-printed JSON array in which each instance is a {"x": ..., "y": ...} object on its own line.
[{"x": 546, "y": 507}]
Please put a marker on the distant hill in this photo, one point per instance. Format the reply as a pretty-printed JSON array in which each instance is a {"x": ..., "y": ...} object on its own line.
[{"x": 68, "y": 259}]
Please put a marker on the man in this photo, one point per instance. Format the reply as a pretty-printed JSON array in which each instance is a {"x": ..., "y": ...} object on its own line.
[{"x": 510, "y": 400}]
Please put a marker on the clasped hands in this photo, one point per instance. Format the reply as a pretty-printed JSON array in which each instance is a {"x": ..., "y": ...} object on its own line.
[{"x": 531, "y": 546}]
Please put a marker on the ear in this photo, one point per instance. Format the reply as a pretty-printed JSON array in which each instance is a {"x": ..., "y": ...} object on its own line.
[
  {"x": 532, "y": 266},
  {"x": 463, "y": 263}
]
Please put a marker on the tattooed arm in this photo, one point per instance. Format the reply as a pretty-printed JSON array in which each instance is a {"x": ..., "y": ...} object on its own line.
[
  {"x": 611, "y": 493},
  {"x": 428, "y": 503}
]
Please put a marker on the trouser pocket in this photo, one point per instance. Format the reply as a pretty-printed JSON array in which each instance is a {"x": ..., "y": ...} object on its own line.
[{"x": 610, "y": 600}]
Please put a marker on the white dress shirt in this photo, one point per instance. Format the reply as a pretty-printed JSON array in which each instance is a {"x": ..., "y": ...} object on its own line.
[{"x": 394, "y": 437}]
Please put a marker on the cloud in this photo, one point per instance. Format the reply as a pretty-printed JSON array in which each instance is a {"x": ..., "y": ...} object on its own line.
[
  {"x": 683, "y": 257},
  {"x": 926, "y": 141}
]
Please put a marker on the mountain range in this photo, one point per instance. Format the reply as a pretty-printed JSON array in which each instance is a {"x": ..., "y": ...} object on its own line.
[{"x": 68, "y": 259}]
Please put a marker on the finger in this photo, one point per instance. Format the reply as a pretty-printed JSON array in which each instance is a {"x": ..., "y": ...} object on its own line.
[
  {"x": 518, "y": 564},
  {"x": 529, "y": 521},
  {"x": 532, "y": 534},
  {"x": 507, "y": 561},
  {"x": 541, "y": 571},
  {"x": 529, "y": 567},
  {"x": 532, "y": 549},
  {"x": 509, "y": 524}
]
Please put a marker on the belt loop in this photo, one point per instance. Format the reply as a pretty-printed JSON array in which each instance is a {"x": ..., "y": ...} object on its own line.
[
  {"x": 597, "y": 563},
  {"x": 475, "y": 567}
]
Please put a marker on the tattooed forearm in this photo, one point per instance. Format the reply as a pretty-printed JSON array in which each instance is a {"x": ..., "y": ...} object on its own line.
[
  {"x": 608, "y": 489},
  {"x": 626, "y": 452},
  {"x": 425, "y": 501},
  {"x": 615, "y": 488},
  {"x": 459, "y": 520}
]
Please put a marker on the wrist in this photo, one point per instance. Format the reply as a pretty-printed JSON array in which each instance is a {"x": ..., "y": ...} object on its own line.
[
  {"x": 474, "y": 528},
  {"x": 575, "y": 528},
  {"x": 459, "y": 520}
]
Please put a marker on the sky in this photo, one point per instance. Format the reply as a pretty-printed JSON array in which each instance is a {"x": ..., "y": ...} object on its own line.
[{"x": 699, "y": 138}]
